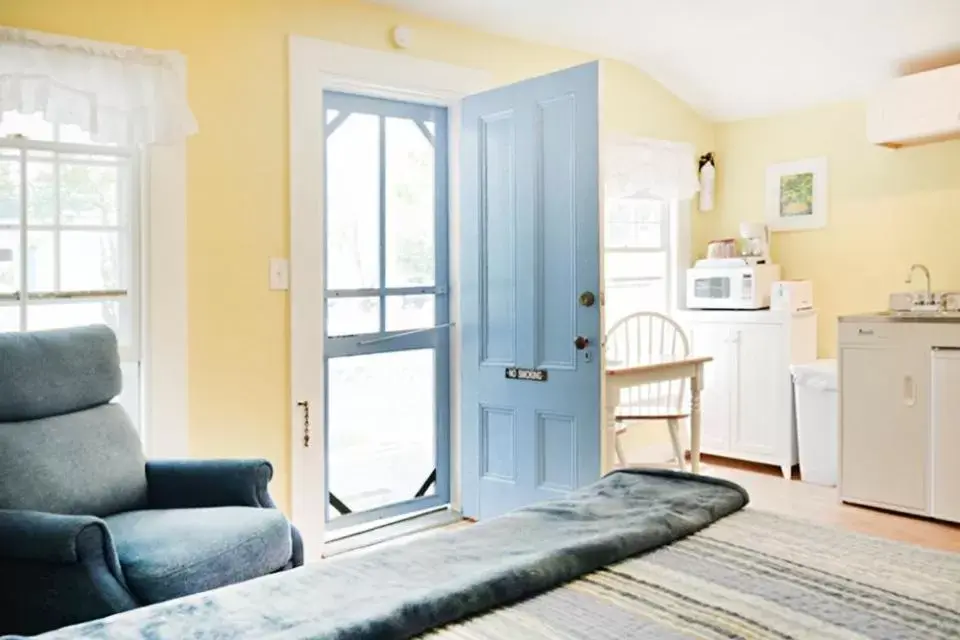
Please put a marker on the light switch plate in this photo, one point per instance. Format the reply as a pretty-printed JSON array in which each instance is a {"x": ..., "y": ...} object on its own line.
[{"x": 279, "y": 274}]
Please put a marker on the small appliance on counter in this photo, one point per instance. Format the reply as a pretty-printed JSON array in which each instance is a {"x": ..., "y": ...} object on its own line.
[
  {"x": 791, "y": 295},
  {"x": 724, "y": 282},
  {"x": 720, "y": 249},
  {"x": 730, "y": 285},
  {"x": 755, "y": 242}
]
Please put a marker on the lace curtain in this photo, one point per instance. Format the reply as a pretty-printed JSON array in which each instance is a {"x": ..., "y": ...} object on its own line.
[
  {"x": 121, "y": 95},
  {"x": 637, "y": 167}
]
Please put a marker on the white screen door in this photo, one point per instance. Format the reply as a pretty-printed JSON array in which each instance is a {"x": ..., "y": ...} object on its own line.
[{"x": 387, "y": 309}]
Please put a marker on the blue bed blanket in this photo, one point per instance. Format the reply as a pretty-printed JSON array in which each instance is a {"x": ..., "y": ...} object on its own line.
[{"x": 402, "y": 591}]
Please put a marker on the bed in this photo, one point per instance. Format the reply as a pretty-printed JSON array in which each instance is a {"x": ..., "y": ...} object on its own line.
[
  {"x": 750, "y": 575},
  {"x": 639, "y": 554}
]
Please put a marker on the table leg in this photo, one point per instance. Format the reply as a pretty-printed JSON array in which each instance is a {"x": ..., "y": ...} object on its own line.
[
  {"x": 696, "y": 384},
  {"x": 610, "y": 459}
]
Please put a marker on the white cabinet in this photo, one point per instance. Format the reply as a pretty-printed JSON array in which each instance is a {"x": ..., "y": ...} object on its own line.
[
  {"x": 917, "y": 108},
  {"x": 761, "y": 365},
  {"x": 883, "y": 443},
  {"x": 900, "y": 416},
  {"x": 716, "y": 401},
  {"x": 747, "y": 400},
  {"x": 945, "y": 432}
]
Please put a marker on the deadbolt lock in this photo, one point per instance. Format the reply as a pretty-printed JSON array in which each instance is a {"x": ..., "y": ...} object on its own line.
[{"x": 587, "y": 299}]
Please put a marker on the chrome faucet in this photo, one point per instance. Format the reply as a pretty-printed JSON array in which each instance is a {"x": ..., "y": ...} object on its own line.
[{"x": 926, "y": 273}]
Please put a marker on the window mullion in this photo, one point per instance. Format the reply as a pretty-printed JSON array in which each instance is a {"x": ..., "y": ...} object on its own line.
[
  {"x": 23, "y": 284},
  {"x": 383, "y": 224},
  {"x": 56, "y": 219}
]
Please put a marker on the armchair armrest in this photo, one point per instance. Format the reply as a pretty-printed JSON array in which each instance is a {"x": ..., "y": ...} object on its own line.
[
  {"x": 49, "y": 537},
  {"x": 188, "y": 484},
  {"x": 57, "y": 570}
]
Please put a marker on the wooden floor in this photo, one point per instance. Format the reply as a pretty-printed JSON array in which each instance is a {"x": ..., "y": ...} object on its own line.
[{"x": 769, "y": 491}]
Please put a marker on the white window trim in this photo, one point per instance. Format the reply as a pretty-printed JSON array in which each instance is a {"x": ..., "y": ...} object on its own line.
[
  {"x": 314, "y": 66},
  {"x": 163, "y": 275},
  {"x": 680, "y": 230}
]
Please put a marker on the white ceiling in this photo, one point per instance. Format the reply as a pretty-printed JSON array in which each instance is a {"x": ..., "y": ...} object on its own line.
[{"x": 732, "y": 59}]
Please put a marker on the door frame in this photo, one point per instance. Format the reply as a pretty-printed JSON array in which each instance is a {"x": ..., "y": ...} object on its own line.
[{"x": 314, "y": 66}]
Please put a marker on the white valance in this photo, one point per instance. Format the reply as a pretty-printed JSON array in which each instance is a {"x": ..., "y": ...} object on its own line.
[
  {"x": 122, "y": 95},
  {"x": 637, "y": 167}
]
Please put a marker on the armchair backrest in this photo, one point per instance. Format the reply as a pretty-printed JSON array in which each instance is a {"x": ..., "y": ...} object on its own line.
[{"x": 64, "y": 446}]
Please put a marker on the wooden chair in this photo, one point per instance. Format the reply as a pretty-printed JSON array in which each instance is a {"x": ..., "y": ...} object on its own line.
[{"x": 639, "y": 339}]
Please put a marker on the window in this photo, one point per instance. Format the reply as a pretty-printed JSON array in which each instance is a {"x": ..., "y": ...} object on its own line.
[
  {"x": 69, "y": 247},
  {"x": 637, "y": 260}
]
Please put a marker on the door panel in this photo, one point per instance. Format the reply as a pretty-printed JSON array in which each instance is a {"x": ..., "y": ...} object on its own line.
[
  {"x": 498, "y": 235},
  {"x": 883, "y": 430},
  {"x": 498, "y": 442},
  {"x": 714, "y": 340},
  {"x": 557, "y": 463},
  {"x": 758, "y": 393},
  {"x": 946, "y": 435},
  {"x": 555, "y": 233},
  {"x": 530, "y": 234}
]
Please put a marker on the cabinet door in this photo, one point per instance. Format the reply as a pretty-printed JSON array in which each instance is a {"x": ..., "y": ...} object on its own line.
[
  {"x": 762, "y": 378},
  {"x": 716, "y": 341},
  {"x": 945, "y": 404},
  {"x": 883, "y": 426}
]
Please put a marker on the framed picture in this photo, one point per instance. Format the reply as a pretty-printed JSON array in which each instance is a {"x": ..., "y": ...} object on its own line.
[{"x": 797, "y": 195}]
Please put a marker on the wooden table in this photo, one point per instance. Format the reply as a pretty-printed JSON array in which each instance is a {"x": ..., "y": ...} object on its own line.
[{"x": 657, "y": 369}]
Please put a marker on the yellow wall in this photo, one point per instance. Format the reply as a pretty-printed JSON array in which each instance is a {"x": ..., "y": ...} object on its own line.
[
  {"x": 237, "y": 173},
  {"x": 888, "y": 209}
]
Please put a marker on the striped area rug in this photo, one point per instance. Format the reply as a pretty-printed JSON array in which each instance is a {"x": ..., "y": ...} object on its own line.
[{"x": 751, "y": 575}]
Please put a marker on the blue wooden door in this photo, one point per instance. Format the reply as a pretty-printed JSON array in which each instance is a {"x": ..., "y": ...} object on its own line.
[{"x": 530, "y": 248}]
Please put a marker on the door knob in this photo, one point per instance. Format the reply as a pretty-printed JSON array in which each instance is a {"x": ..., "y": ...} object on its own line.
[
  {"x": 581, "y": 343},
  {"x": 587, "y": 299}
]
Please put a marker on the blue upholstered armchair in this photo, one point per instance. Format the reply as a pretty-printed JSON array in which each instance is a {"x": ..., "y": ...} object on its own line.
[{"x": 88, "y": 527}]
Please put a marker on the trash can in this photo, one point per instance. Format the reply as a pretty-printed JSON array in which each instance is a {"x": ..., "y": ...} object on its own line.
[{"x": 815, "y": 390}]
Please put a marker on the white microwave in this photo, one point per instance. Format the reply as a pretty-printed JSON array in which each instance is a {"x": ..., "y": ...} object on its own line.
[{"x": 731, "y": 287}]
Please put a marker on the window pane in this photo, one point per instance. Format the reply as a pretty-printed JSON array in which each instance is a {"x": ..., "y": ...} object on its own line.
[
  {"x": 31, "y": 125},
  {"x": 633, "y": 223},
  {"x": 623, "y": 299},
  {"x": 353, "y": 204},
  {"x": 381, "y": 427},
  {"x": 9, "y": 261},
  {"x": 90, "y": 261},
  {"x": 353, "y": 316},
  {"x": 41, "y": 199},
  {"x": 88, "y": 192},
  {"x": 9, "y": 319},
  {"x": 410, "y": 312},
  {"x": 410, "y": 206},
  {"x": 9, "y": 187},
  {"x": 619, "y": 265},
  {"x": 40, "y": 261},
  {"x": 76, "y": 314},
  {"x": 129, "y": 397}
]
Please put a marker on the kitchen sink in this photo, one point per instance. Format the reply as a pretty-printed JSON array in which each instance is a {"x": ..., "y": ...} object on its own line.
[{"x": 925, "y": 314}]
